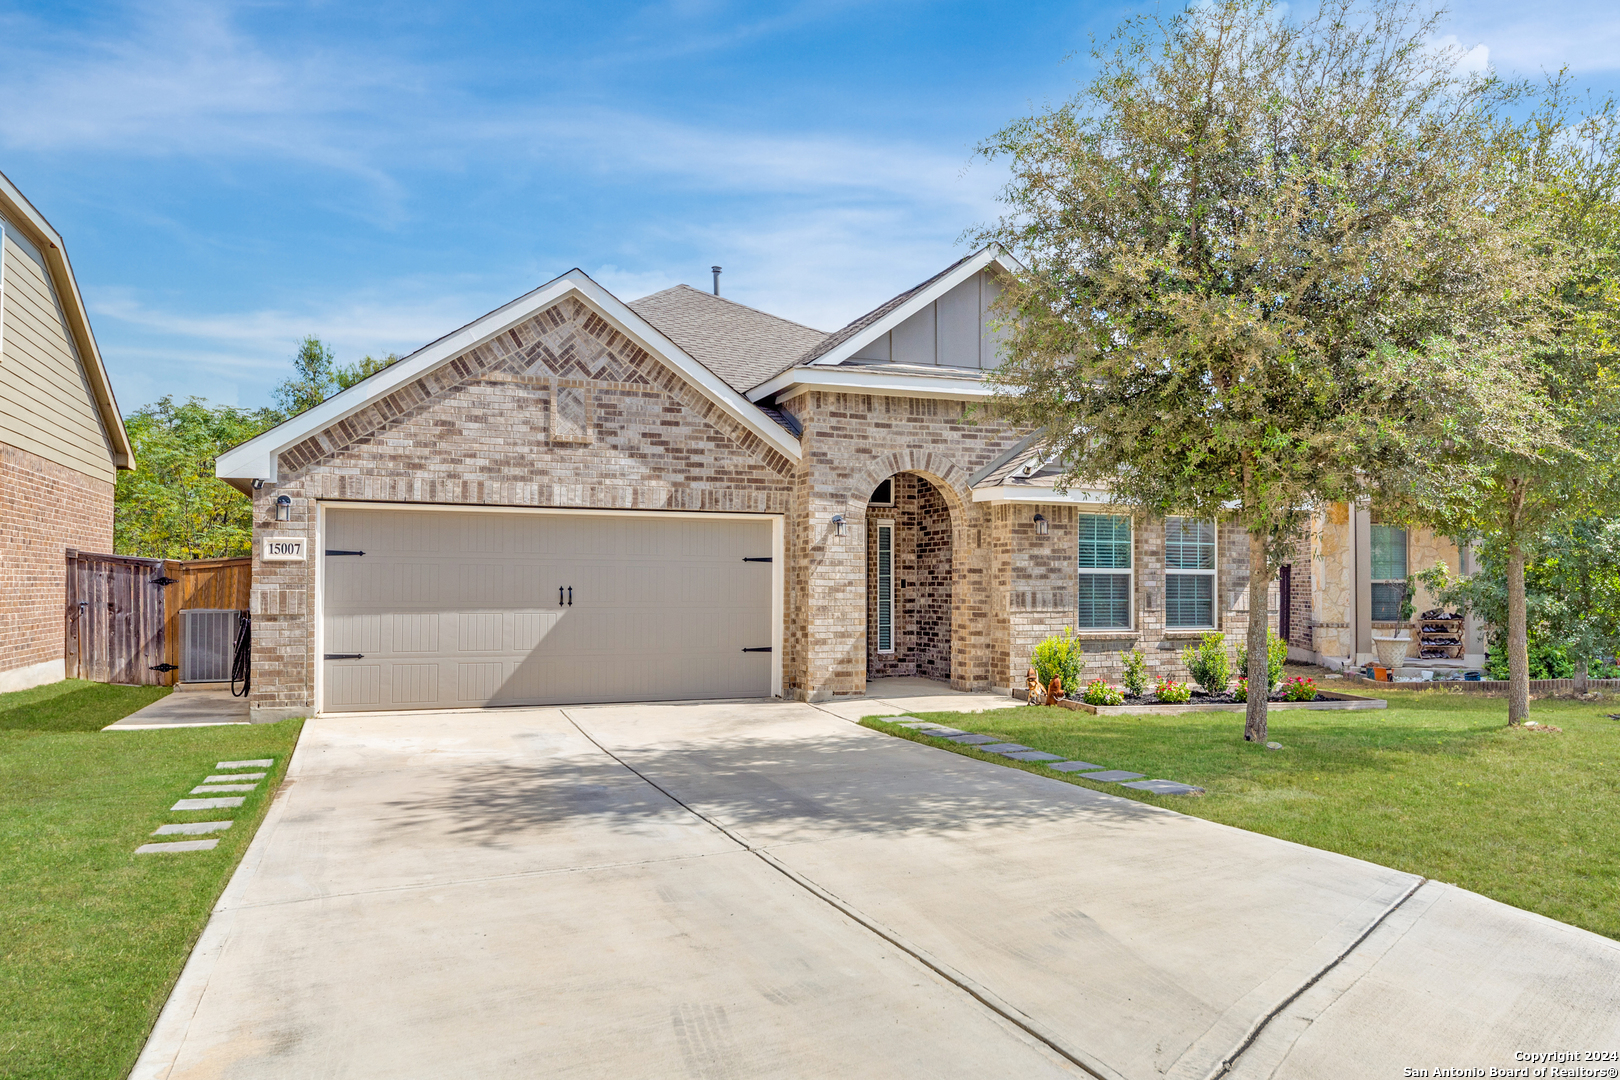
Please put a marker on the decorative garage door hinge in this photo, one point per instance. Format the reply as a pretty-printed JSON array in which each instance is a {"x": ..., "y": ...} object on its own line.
[
  {"x": 331, "y": 551},
  {"x": 755, "y": 558},
  {"x": 765, "y": 648},
  {"x": 345, "y": 656}
]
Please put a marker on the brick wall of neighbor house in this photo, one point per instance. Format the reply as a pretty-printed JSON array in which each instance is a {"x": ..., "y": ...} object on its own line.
[
  {"x": 851, "y": 442},
  {"x": 479, "y": 430},
  {"x": 45, "y": 509}
]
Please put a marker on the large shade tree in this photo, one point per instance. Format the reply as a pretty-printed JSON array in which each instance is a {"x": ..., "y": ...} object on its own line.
[{"x": 1262, "y": 253}]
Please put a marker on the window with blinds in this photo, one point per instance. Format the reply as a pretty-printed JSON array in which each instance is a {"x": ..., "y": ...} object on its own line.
[
  {"x": 1388, "y": 572},
  {"x": 1105, "y": 582},
  {"x": 1189, "y": 576}
]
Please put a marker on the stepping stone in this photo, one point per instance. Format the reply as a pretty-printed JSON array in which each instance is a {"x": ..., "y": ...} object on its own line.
[
  {"x": 973, "y": 740},
  {"x": 1073, "y": 766},
  {"x": 222, "y": 787},
  {"x": 910, "y": 723},
  {"x": 1004, "y": 747},
  {"x": 260, "y": 763},
  {"x": 178, "y": 845},
  {"x": 231, "y": 778},
  {"x": 1165, "y": 787},
  {"x": 192, "y": 828},
  {"x": 1112, "y": 775},
  {"x": 1032, "y": 755},
  {"x": 944, "y": 732},
  {"x": 208, "y": 804}
]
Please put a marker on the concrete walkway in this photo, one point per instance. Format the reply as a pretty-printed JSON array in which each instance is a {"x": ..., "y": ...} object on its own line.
[
  {"x": 746, "y": 890},
  {"x": 186, "y": 708}
]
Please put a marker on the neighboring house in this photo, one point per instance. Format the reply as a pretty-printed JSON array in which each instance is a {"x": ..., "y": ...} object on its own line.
[
  {"x": 1347, "y": 585},
  {"x": 576, "y": 499},
  {"x": 62, "y": 441}
]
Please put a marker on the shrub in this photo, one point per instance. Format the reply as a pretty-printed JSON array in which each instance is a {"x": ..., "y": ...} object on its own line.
[
  {"x": 1276, "y": 656},
  {"x": 1299, "y": 689},
  {"x": 1135, "y": 677},
  {"x": 1208, "y": 663},
  {"x": 1100, "y": 693},
  {"x": 1173, "y": 693},
  {"x": 1058, "y": 657}
]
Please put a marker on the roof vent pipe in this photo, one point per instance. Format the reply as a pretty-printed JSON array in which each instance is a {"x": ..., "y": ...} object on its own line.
[{"x": 716, "y": 270}]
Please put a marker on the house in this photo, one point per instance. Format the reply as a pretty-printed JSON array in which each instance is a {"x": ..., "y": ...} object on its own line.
[
  {"x": 1346, "y": 586},
  {"x": 579, "y": 499},
  {"x": 62, "y": 442}
]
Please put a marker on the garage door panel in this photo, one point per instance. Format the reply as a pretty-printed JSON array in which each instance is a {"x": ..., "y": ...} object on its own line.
[{"x": 455, "y": 608}]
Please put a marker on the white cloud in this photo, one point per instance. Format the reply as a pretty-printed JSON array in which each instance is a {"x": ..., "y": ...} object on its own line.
[{"x": 1472, "y": 59}]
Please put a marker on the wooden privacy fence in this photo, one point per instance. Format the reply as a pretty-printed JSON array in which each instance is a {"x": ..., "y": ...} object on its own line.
[{"x": 123, "y": 612}]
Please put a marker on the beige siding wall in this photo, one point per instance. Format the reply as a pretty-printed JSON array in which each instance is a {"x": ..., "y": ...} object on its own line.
[{"x": 46, "y": 405}]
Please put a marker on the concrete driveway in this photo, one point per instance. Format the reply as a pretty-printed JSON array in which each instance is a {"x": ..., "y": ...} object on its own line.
[{"x": 767, "y": 889}]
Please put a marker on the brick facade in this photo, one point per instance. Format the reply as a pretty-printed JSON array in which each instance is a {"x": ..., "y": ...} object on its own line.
[
  {"x": 480, "y": 431},
  {"x": 563, "y": 411},
  {"x": 45, "y": 509}
]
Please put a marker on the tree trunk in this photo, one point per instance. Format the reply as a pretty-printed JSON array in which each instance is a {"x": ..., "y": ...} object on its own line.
[
  {"x": 1254, "y": 724},
  {"x": 1581, "y": 675},
  {"x": 1518, "y": 639}
]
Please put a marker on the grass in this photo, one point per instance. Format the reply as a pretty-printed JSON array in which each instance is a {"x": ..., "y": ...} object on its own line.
[
  {"x": 93, "y": 935},
  {"x": 1436, "y": 785}
]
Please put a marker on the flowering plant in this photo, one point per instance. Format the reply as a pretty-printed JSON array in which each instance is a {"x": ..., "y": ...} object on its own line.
[
  {"x": 1171, "y": 692},
  {"x": 1100, "y": 693},
  {"x": 1299, "y": 688},
  {"x": 1242, "y": 691}
]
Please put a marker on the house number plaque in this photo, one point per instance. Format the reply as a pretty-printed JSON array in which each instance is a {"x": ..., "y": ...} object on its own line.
[{"x": 283, "y": 549}]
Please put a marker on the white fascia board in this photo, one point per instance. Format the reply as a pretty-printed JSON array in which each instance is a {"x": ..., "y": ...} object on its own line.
[
  {"x": 978, "y": 262},
  {"x": 1001, "y": 494},
  {"x": 865, "y": 381},
  {"x": 257, "y": 458}
]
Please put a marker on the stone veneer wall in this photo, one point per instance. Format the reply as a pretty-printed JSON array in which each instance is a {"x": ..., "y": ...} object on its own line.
[
  {"x": 922, "y": 560},
  {"x": 45, "y": 508},
  {"x": 851, "y": 442},
  {"x": 1333, "y": 582},
  {"x": 480, "y": 431}
]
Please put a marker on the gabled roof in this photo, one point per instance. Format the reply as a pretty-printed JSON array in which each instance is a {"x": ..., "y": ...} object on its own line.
[
  {"x": 1028, "y": 473},
  {"x": 31, "y": 223},
  {"x": 742, "y": 345},
  {"x": 840, "y": 346},
  {"x": 258, "y": 457}
]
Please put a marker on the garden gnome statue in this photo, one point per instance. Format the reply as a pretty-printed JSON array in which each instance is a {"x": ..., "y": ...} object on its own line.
[
  {"x": 1032, "y": 683},
  {"x": 1055, "y": 691}
]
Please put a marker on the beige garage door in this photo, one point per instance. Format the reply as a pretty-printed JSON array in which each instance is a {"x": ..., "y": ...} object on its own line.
[{"x": 448, "y": 609}]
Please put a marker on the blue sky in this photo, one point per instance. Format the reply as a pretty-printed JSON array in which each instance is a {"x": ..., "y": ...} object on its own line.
[{"x": 230, "y": 177}]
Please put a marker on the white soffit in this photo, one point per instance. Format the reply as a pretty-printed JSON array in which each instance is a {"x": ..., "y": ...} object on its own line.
[
  {"x": 1002, "y": 494},
  {"x": 257, "y": 458},
  {"x": 872, "y": 380},
  {"x": 868, "y": 334}
]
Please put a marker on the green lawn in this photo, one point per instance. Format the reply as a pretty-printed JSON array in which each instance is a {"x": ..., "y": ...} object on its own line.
[
  {"x": 93, "y": 936},
  {"x": 1437, "y": 785}
]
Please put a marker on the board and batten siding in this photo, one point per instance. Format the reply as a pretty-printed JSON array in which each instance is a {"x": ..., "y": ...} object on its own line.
[
  {"x": 46, "y": 404},
  {"x": 953, "y": 331}
]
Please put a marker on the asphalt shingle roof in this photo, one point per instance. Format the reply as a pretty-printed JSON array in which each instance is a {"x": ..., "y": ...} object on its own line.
[{"x": 742, "y": 345}]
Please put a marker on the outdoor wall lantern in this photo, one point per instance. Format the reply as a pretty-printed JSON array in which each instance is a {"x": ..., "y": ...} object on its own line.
[
  {"x": 1040, "y": 524},
  {"x": 283, "y": 508},
  {"x": 840, "y": 526}
]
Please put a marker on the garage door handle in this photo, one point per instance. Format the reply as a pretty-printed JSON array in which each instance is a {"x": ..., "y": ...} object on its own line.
[
  {"x": 559, "y": 595},
  {"x": 570, "y": 596},
  {"x": 345, "y": 656},
  {"x": 764, "y": 648}
]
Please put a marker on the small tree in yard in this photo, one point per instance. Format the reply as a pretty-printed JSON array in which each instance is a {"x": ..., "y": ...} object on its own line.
[
  {"x": 1261, "y": 256},
  {"x": 1570, "y": 168}
]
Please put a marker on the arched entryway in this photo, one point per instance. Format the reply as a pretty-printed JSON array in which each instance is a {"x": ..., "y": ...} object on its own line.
[{"x": 908, "y": 579}]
